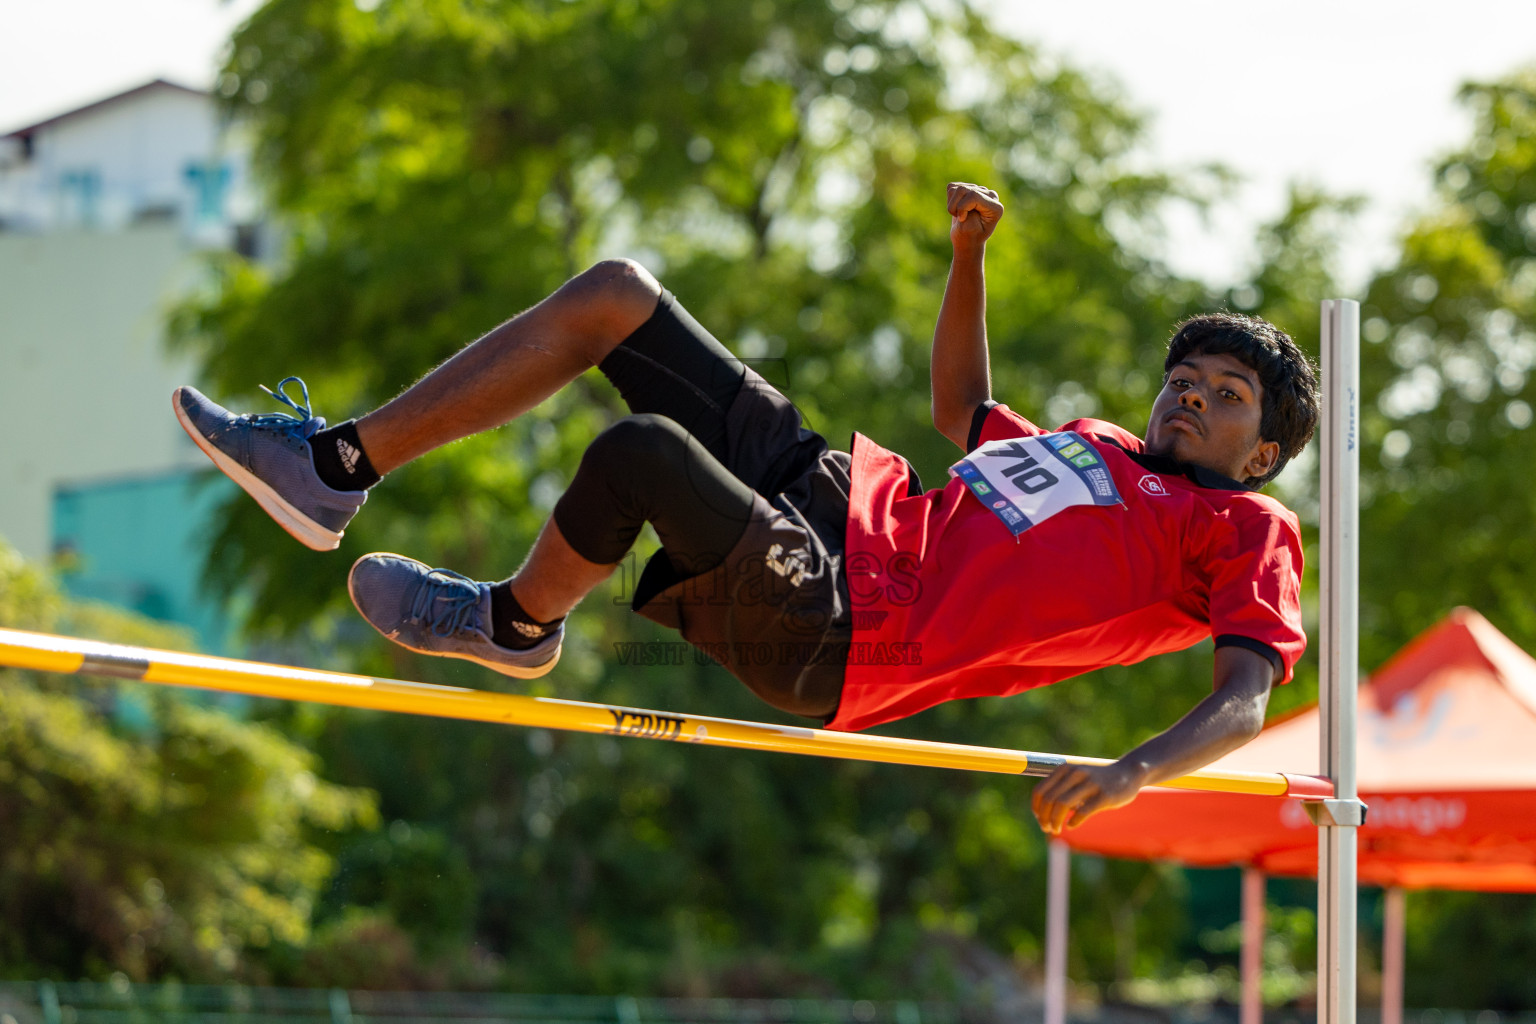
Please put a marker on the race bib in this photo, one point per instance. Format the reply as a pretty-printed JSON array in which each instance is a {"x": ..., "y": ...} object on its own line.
[{"x": 1026, "y": 480}]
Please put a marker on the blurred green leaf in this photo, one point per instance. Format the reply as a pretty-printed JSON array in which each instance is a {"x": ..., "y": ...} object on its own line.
[{"x": 183, "y": 845}]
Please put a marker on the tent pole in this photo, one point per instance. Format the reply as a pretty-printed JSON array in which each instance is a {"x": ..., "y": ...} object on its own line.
[
  {"x": 1058, "y": 878},
  {"x": 1394, "y": 920},
  {"x": 1252, "y": 1008},
  {"x": 1339, "y": 512}
]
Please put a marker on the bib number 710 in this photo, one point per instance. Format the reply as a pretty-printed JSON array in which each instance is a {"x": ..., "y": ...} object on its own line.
[{"x": 1026, "y": 480}]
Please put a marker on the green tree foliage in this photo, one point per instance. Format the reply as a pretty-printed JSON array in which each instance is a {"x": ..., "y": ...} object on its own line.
[
  {"x": 1450, "y": 344},
  {"x": 1494, "y": 934},
  {"x": 1450, "y": 336},
  {"x": 184, "y": 846}
]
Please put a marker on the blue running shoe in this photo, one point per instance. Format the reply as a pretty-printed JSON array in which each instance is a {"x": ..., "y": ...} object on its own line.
[
  {"x": 269, "y": 456},
  {"x": 434, "y": 611}
]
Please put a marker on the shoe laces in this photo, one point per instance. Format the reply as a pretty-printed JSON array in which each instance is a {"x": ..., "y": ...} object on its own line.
[
  {"x": 446, "y": 603},
  {"x": 304, "y": 426}
]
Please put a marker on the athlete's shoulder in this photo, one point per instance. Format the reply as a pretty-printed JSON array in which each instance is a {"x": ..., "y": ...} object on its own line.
[
  {"x": 1104, "y": 430},
  {"x": 994, "y": 421},
  {"x": 1256, "y": 505},
  {"x": 1258, "y": 502}
]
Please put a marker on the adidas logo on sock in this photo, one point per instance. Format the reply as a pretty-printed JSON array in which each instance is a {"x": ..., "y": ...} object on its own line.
[
  {"x": 349, "y": 455},
  {"x": 529, "y": 630}
]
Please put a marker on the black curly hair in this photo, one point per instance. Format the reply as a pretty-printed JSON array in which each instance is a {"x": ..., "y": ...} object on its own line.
[{"x": 1289, "y": 411}]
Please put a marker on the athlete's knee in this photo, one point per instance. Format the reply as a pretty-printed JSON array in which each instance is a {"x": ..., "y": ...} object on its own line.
[
  {"x": 620, "y": 282},
  {"x": 622, "y": 478},
  {"x": 644, "y": 447},
  {"x": 611, "y": 299},
  {"x": 621, "y": 272}
]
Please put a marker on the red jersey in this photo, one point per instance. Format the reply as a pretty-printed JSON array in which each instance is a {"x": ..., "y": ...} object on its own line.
[{"x": 949, "y": 603}]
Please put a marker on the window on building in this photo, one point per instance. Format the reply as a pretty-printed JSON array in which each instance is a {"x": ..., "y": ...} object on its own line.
[
  {"x": 209, "y": 181},
  {"x": 80, "y": 197}
]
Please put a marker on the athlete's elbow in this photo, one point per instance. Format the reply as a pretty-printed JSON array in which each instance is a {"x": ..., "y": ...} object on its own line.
[
  {"x": 1247, "y": 721},
  {"x": 952, "y": 423}
]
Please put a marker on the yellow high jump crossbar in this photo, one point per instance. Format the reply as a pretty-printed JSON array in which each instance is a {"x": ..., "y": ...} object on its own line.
[{"x": 48, "y": 653}]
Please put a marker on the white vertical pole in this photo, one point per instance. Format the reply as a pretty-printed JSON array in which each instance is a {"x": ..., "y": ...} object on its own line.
[
  {"x": 1392, "y": 941},
  {"x": 1251, "y": 1010},
  {"x": 1339, "y": 654},
  {"x": 1058, "y": 880}
]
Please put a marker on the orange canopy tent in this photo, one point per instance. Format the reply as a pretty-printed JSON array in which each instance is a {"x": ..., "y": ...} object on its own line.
[{"x": 1447, "y": 765}]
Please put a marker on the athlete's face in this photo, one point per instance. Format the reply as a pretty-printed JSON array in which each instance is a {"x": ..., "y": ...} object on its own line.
[{"x": 1208, "y": 414}]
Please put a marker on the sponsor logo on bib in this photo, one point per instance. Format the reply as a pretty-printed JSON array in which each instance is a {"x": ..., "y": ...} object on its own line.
[{"x": 1026, "y": 480}]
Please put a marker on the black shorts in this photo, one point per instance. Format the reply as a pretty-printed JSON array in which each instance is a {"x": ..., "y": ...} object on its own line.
[{"x": 778, "y": 605}]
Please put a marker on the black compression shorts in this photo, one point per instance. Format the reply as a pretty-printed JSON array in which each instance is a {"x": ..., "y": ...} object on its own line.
[{"x": 721, "y": 464}]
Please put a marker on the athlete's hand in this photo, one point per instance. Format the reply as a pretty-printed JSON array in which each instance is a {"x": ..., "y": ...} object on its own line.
[
  {"x": 974, "y": 211},
  {"x": 1073, "y": 793}
]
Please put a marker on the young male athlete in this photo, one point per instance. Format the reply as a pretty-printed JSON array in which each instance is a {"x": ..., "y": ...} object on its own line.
[{"x": 830, "y": 582}]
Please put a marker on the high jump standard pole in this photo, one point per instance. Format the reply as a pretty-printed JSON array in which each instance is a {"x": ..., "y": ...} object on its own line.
[{"x": 1338, "y": 651}]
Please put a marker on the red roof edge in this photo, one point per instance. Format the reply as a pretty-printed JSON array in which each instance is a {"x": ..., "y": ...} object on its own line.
[
  {"x": 1516, "y": 668},
  {"x": 158, "y": 83},
  {"x": 1451, "y": 641},
  {"x": 1463, "y": 636}
]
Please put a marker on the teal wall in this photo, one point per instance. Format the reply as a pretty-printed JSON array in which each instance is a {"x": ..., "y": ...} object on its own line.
[{"x": 140, "y": 543}]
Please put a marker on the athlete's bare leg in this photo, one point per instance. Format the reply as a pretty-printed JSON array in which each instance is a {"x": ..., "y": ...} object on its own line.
[
  {"x": 554, "y": 578},
  {"x": 514, "y": 367}
]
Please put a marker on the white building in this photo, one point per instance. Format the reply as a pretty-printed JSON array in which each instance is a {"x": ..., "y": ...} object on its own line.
[
  {"x": 152, "y": 154},
  {"x": 105, "y": 214}
]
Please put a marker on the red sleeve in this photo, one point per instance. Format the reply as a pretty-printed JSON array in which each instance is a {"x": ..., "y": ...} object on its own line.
[
  {"x": 1255, "y": 572},
  {"x": 994, "y": 422}
]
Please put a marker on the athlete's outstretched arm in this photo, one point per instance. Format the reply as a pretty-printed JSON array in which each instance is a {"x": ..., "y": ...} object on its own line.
[
  {"x": 961, "y": 380},
  {"x": 1224, "y": 721}
]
